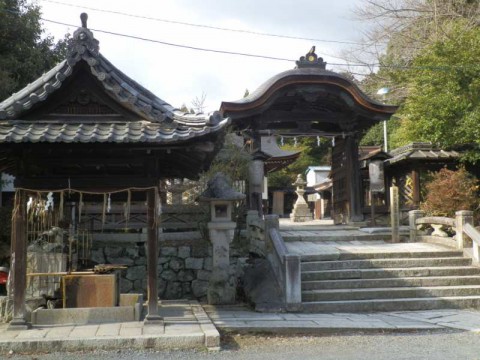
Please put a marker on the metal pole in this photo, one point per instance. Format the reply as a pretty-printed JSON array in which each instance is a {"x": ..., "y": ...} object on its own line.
[{"x": 385, "y": 140}]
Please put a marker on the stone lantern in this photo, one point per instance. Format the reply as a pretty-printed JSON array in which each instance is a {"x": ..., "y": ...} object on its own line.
[
  {"x": 300, "y": 212},
  {"x": 221, "y": 231}
]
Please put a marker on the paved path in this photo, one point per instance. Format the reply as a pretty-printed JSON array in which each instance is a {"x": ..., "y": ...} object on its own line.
[
  {"x": 242, "y": 320},
  {"x": 186, "y": 326},
  {"x": 356, "y": 246}
]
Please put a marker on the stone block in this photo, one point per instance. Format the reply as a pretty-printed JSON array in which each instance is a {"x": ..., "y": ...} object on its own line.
[
  {"x": 121, "y": 261},
  {"x": 163, "y": 260},
  {"x": 184, "y": 252},
  {"x": 132, "y": 251},
  {"x": 141, "y": 261},
  {"x": 174, "y": 290},
  {"x": 168, "y": 275},
  {"x": 187, "y": 290},
  {"x": 208, "y": 264},
  {"x": 140, "y": 285},
  {"x": 113, "y": 251},
  {"x": 126, "y": 285},
  {"x": 199, "y": 288},
  {"x": 136, "y": 273},
  {"x": 203, "y": 275},
  {"x": 168, "y": 251},
  {"x": 162, "y": 287},
  {"x": 176, "y": 264},
  {"x": 80, "y": 316},
  {"x": 185, "y": 275},
  {"x": 200, "y": 250},
  {"x": 98, "y": 256},
  {"x": 194, "y": 263}
]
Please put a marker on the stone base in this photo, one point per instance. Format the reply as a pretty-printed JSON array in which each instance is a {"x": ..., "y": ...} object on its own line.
[
  {"x": 154, "y": 320},
  {"x": 18, "y": 324},
  {"x": 301, "y": 213}
]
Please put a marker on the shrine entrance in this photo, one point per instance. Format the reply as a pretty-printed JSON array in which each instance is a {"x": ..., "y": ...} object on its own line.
[{"x": 311, "y": 101}]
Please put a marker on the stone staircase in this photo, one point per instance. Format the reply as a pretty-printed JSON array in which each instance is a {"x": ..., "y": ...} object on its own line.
[{"x": 389, "y": 281}]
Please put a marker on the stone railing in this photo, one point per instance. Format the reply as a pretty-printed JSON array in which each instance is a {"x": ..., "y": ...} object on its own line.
[
  {"x": 256, "y": 233},
  {"x": 287, "y": 267},
  {"x": 442, "y": 230}
]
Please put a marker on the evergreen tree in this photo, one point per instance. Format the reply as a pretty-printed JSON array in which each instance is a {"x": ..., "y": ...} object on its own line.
[{"x": 26, "y": 52}]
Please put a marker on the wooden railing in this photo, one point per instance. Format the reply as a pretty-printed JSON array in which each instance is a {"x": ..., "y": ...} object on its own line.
[{"x": 172, "y": 217}]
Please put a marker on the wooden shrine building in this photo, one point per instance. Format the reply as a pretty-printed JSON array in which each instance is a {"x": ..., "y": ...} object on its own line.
[
  {"x": 84, "y": 127},
  {"x": 310, "y": 100}
]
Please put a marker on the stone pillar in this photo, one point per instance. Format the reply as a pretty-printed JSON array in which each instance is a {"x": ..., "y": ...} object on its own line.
[
  {"x": 220, "y": 291},
  {"x": 255, "y": 183},
  {"x": 394, "y": 214},
  {"x": 300, "y": 212},
  {"x": 18, "y": 274},
  {"x": 462, "y": 217},
  {"x": 353, "y": 178},
  {"x": 271, "y": 222},
  {"x": 413, "y": 215},
  {"x": 152, "y": 317}
]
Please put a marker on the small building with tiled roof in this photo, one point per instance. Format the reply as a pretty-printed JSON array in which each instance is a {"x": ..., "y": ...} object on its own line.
[{"x": 86, "y": 128}]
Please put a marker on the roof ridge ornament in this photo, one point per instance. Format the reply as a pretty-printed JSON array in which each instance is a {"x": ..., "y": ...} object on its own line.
[
  {"x": 82, "y": 43},
  {"x": 311, "y": 60}
]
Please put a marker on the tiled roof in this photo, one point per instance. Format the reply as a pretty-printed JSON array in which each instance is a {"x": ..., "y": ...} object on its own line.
[
  {"x": 270, "y": 148},
  {"x": 157, "y": 120},
  {"x": 125, "y": 132},
  {"x": 420, "y": 151}
]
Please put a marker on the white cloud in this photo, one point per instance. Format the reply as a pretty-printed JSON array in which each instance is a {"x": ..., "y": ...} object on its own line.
[{"x": 179, "y": 75}]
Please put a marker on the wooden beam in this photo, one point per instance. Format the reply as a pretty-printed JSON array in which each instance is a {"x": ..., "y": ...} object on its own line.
[
  {"x": 19, "y": 263},
  {"x": 152, "y": 265}
]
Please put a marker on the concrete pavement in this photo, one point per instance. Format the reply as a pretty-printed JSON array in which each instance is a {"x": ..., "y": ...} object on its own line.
[
  {"x": 186, "y": 326},
  {"x": 189, "y": 325},
  {"x": 242, "y": 320}
]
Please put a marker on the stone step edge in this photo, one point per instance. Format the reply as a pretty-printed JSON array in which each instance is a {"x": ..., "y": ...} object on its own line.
[
  {"x": 393, "y": 269},
  {"x": 391, "y": 289},
  {"x": 339, "y": 256},
  {"x": 417, "y": 278},
  {"x": 384, "y": 263},
  {"x": 398, "y": 300},
  {"x": 385, "y": 260}
]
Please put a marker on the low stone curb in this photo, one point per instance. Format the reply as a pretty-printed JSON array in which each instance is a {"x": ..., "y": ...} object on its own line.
[
  {"x": 212, "y": 336},
  {"x": 87, "y": 344}
]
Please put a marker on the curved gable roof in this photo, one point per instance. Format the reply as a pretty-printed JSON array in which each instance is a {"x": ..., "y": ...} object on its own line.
[{"x": 310, "y": 96}]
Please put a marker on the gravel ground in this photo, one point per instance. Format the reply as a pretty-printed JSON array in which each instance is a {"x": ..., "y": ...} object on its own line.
[{"x": 424, "y": 346}]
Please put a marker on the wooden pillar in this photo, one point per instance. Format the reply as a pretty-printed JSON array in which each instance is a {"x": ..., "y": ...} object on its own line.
[
  {"x": 19, "y": 262},
  {"x": 152, "y": 265},
  {"x": 278, "y": 203},
  {"x": 354, "y": 180},
  {"x": 416, "y": 187}
]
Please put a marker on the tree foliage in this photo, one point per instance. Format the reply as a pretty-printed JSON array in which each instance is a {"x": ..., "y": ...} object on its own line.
[
  {"x": 443, "y": 105},
  {"x": 312, "y": 154},
  {"x": 449, "y": 191},
  {"x": 426, "y": 50},
  {"x": 26, "y": 52}
]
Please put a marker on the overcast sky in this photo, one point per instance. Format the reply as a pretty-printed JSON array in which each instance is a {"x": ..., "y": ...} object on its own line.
[{"x": 180, "y": 75}]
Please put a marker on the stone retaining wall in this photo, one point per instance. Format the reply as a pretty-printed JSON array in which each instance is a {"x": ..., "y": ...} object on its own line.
[{"x": 184, "y": 262}]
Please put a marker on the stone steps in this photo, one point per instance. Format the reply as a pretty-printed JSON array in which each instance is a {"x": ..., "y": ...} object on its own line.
[
  {"x": 390, "y": 272},
  {"x": 392, "y": 282},
  {"x": 349, "y": 281},
  {"x": 379, "y": 255},
  {"x": 402, "y": 304},
  {"x": 385, "y": 263},
  {"x": 390, "y": 293}
]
